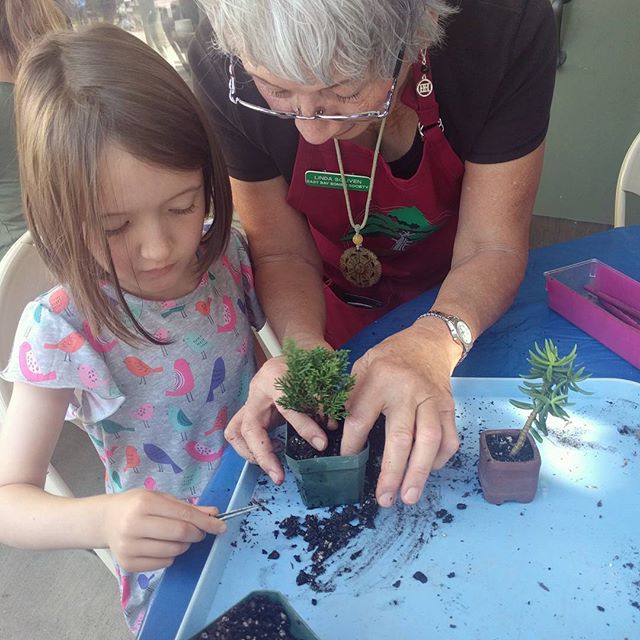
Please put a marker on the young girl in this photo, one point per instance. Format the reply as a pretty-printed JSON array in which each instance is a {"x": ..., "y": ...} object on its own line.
[{"x": 151, "y": 324}]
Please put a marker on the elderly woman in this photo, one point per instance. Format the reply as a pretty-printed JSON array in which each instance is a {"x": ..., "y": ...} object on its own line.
[{"x": 377, "y": 148}]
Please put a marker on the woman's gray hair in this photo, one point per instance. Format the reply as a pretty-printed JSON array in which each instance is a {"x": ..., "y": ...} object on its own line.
[{"x": 308, "y": 41}]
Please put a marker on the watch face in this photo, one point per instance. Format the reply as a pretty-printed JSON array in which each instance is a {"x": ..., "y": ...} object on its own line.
[{"x": 464, "y": 332}]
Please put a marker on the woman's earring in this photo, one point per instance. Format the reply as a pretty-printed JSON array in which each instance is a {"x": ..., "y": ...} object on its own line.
[{"x": 424, "y": 86}]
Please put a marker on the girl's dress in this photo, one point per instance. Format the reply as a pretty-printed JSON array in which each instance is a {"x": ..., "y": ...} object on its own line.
[{"x": 155, "y": 413}]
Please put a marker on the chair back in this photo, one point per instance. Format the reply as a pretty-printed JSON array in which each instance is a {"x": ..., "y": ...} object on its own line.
[
  {"x": 23, "y": 276},
  {"x": 628, "y": 182}
]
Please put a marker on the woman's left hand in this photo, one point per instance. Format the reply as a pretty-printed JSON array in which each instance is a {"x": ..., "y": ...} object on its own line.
[{"x": 407, "y": 378}]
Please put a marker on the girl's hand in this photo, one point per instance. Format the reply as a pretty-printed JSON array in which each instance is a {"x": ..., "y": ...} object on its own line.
[
  {"x": 248, "y": 430},
  {"x": 146, "y": 530}
]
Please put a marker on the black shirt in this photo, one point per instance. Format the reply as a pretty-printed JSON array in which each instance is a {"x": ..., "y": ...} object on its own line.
[{"x": 493, "y": 79}]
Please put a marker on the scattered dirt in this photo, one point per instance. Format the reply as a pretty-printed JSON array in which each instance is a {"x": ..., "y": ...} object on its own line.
[
  {"x": 420, "y": 577},
  {"x": 327, "y": 535}
]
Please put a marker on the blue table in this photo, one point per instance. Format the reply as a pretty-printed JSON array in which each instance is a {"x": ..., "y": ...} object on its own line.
[{"x": 500, "y": 352}]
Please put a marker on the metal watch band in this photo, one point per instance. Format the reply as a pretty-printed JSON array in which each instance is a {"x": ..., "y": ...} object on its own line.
[{"x": 451, "y": 322}]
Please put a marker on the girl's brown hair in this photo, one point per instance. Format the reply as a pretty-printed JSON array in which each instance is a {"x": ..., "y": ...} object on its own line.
[
  {"x": 75, "y": 92},
  {"x": 21, "y": 23}
]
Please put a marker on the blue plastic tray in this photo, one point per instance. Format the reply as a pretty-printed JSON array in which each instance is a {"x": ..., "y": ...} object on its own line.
[{"x": 566, "y": 565}]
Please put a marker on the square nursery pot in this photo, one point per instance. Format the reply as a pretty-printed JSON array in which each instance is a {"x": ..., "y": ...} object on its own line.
[
  {"x": 270, "y": 620},
  {"x": 330, "y": 481},
  {"x": 507, "y": 481}
]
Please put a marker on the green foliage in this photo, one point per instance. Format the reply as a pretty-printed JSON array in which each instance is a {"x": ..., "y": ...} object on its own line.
[
  {"x": 317, "y": 382},
  {"x": 548, "y": 384}
]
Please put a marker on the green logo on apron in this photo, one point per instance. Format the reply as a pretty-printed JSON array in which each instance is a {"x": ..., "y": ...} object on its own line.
[{"x": 406, "y": 226}]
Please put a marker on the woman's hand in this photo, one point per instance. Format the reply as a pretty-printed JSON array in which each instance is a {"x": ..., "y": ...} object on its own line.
[
  {"x": 248, "y": 430},
  {"x": 407, "y": 378},
  {"x": 146, "y": 530}
]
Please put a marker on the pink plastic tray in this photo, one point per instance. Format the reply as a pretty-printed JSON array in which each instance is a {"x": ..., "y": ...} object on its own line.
[{"x": 568, "y": 296}]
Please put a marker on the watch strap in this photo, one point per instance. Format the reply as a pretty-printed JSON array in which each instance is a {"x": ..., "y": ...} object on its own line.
[{"x": 451, "y": 322}]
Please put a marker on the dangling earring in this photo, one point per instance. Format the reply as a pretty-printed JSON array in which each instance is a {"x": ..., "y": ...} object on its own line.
[{"x": 424, "y": 86}]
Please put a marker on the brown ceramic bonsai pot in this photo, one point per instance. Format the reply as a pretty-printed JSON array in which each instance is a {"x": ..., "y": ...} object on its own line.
[{"x": 508, "y": 480}]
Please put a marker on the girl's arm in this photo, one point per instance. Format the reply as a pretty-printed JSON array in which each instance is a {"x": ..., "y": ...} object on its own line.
[{"x": 144, "y": 530}]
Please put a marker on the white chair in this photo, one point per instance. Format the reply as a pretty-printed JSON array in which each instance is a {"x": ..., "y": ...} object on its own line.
[
  {"x": 628, "y": 182},
  {"x": 23, "y": 276}
]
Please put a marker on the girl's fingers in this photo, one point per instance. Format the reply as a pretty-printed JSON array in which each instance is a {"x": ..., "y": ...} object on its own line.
[{"x": 174, "y": 519}]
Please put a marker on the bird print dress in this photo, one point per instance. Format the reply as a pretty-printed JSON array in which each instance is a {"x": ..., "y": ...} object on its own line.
[{"x": 154, "y": 413}]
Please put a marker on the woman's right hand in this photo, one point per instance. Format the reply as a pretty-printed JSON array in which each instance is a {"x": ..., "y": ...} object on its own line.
[
  {"x": 248, "y": 430},
  {"x": 146, "y": 530}
]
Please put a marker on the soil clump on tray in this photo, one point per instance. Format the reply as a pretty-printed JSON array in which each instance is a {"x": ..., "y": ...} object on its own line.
[
  {"x": 258, "y": 618},
  {"x": 327, "y": 535}
]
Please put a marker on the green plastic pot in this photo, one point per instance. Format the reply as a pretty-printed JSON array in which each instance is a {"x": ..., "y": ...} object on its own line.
[
  {"x": 330, "y": 481},
  {"x": 298, "y": 627}
]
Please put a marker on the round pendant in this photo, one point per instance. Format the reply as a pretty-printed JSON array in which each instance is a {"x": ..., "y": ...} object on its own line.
[
  {"x": 424, "y": 87},
  {"x": 360, "y": 267}
]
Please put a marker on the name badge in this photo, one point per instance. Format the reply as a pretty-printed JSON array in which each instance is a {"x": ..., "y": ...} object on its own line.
[{"x": 328, "y": 180}]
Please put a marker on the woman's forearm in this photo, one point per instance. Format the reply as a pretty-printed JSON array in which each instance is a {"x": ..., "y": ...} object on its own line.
[
  {"x": 480, "y": 289},
  {"x": 290, "y": 290}
]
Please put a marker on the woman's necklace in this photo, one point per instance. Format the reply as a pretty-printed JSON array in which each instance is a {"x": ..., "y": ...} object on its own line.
[{"x": 358, "y": 265}]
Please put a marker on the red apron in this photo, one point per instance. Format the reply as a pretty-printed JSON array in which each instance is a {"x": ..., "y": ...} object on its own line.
[{"x": 411, "y": 227}]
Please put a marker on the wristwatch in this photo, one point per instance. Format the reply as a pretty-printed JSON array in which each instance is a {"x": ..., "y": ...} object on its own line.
[{"x": 458, "y": 329}]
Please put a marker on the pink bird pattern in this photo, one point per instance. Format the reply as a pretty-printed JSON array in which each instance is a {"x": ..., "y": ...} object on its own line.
[
  {"x": 125, "y": 591},
  {"x": 202, "y": 453},
  {"x": 89, "y": 377},
  {"x": 183, "y": 381},
  {"x": 163, "y": 335},
  {"x": 236, "y": 274},
  {"x": 144, "y": 413},
  {"x": 29, "y": 365},
  {"x": 228, "y": 316}
]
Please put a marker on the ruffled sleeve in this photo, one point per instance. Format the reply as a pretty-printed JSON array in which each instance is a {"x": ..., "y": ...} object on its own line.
[{"x": 54, "y": 348}]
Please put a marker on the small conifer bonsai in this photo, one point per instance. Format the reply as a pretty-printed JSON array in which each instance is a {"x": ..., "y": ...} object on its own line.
[
  {"x": 548, "y": 384},
  {"x": 317, "y": 382}
]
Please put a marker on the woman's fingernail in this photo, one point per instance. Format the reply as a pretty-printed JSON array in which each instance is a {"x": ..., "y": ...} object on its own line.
[
  {"x": 412, "y": 495},
  {"x": 273, "y": 475},
  {"x": 318, "y": 443},
  {"x": 387, "y": 499}
]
